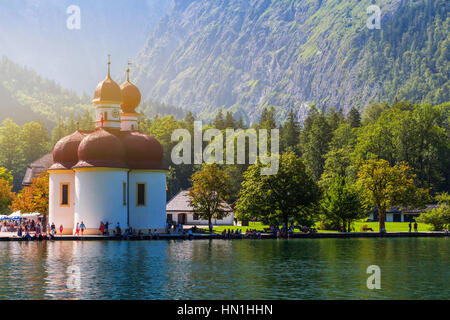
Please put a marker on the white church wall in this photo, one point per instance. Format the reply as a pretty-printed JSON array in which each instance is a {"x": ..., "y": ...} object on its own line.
[
  {"x": 153, "y": 214},
  {"x": 61, "y": 214},
  {"x": 99, "y": 197}
]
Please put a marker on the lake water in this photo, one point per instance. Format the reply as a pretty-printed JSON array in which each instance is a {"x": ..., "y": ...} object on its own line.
[{"x": 411, "y": 268}]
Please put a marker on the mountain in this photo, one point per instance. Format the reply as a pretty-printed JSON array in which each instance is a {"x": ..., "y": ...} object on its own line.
[
  {"x": 35, "y": 34},
  {"x": 243, "y": 55},
  {"x": 26, "y": 96}
]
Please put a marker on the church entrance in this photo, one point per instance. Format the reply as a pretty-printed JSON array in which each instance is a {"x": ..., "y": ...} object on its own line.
[{"x": 182, "y": 218}]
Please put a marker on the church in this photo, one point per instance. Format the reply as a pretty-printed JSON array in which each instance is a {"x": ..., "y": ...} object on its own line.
[{"x": 111, "y": 174}]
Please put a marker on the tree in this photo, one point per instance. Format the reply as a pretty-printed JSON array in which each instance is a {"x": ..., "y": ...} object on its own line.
[
  {"x": 290, "y": 133},
  {"x": 34, "y": 198},
  {"x": 342, "y": 203},
  {"x": 416, "y": 134},
  {"x": 384, "y": 186},
  {"x": 34, "y": 141},
  {"x": 288, "y": 194},
  {"x": 6, "y": 195},
  {"x": 439, "y": 217},
  {"x": 372, "y": 112},
  {"x": 210, "y": 187},
  {"x": 6, "y": 175},
  {"x": 240, "y": 123},
  {"x": 354, "y": 118},
  {"x": 267, "y": 119},
  {"x": 314, "y": 143},
  {"x": 189, "y": 119},
  {"x": 219, "y": 122},
  {"x": 229, "y": 121},
  {"x": 11, "y": 151}
]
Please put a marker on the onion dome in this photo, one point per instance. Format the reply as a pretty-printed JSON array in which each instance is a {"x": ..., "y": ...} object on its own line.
[
  {"x": 130, "y": 94},
  {"x": 65, "y": 152},
  {"x": 101, "y": 149},
  {"x": 107, "y": 91},
  {"x": 143, "y": 151}
]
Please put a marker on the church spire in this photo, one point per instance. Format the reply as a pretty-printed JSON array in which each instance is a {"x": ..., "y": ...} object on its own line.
[
  {"x": 128, "y": 72},
  {"x": 109, "y": 65}
]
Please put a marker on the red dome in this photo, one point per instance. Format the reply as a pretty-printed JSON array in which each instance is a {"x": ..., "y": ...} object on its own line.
[
  {"x": 65, "y": 152},
  {"x": 143, "y": 151},
  {"x": 101, "y": 149}
]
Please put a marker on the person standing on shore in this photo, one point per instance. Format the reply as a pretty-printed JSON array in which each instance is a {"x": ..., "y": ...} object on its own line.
[
  {"x": 415, "y": 226},
  {"x": 61, "y": 229},
  {"x": 82, "y": 227},
  {"x": 410, "y": 226},
  {"x": 77, "y": 229}
]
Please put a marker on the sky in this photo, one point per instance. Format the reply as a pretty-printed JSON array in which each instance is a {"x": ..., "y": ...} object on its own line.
[{"x": 34, "y": 33}]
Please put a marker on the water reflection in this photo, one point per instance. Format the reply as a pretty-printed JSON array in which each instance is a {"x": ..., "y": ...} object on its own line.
[{"x": 414, "y": 268}]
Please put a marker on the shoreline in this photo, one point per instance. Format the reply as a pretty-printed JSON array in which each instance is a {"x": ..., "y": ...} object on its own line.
[{"x": 200, "y": 236}]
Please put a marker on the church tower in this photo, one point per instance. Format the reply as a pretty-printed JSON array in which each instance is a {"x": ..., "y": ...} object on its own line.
[
  {"x": 131, "y": 99},
  {"x": 107, "y": 98}
]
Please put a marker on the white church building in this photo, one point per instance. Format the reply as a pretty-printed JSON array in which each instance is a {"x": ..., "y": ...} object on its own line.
[{"x": 112, "y": 174}]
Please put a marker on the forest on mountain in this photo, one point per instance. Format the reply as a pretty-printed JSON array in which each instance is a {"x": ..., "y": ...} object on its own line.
[
  {"x": 243, "y": 56},
  {"x": 25, "y": 96}
]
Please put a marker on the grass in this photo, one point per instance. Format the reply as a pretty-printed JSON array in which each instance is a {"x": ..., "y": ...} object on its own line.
[{"x": 390, "y": 227}]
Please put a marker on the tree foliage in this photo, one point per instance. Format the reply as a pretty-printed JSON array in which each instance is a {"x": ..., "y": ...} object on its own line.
[
  {"x": 439, "y": 217},
  {"x": 6, "y": 195},
  {"x": 210, "y": 187},
  {"x": 279, "y": 198},
  {"x": 34, "y": 198},
  {"x": 342, "y": 203},
  {"x": 384, "y": 186}
]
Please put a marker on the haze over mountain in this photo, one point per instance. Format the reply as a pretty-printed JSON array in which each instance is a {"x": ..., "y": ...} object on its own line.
[
  {"x": 239, "y": 55},
  {"x": 244, "y": 55},
  {"x": 34, "y": 33}
]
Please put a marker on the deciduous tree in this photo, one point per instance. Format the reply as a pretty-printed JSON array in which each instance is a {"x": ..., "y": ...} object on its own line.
[
  {"x": 384, "y": 186},
  {"x": 210, "y": 188},
  {"x": 278, "y": 198}
]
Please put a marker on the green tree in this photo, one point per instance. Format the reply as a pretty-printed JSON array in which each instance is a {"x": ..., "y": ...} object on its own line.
[
  {"x": 219, "y": 121},
  {"x": 11, "y": 150},
  {"x": 210, "y": 187},
  {"x": 267, "y": 119},
  {"x": 229, "y": 121},
  {"x": 314, "y": 143},
  {"x": 439, "y": 217},
  {"x": 384, "y": 186},
  {"x": 288, "y": 194},
  {"x": 342, "y": 203},
  {"x": 372, "y": 112},
  {"x": 354, "y": 118},
  {"x": 290, "y": 133},
  {"x": 6, "y": 175},
  {"x": 35, "y": 142}
]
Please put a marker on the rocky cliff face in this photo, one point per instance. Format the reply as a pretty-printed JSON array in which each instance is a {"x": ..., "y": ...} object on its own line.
[{"x": 243, "y": 55}]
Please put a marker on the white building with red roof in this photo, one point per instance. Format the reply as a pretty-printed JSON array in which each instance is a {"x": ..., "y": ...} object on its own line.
[{"x": 112, "y": 174}]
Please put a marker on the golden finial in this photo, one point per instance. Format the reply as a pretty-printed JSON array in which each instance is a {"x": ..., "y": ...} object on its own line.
[
  {"x": 109, "y": 65},
  {"x": 128, "y": 71}
]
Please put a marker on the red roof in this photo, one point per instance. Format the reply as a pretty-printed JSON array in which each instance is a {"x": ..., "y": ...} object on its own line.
[{"x": 108, "y": 148}]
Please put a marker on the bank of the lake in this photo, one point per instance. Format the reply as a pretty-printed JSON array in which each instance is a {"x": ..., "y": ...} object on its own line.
[
  {"x": 11, "y": 236},
  {"x": 411, "y": 268}
]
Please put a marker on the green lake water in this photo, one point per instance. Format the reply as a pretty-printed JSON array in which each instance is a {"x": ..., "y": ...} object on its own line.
[{"x": 411, "y": 268}]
